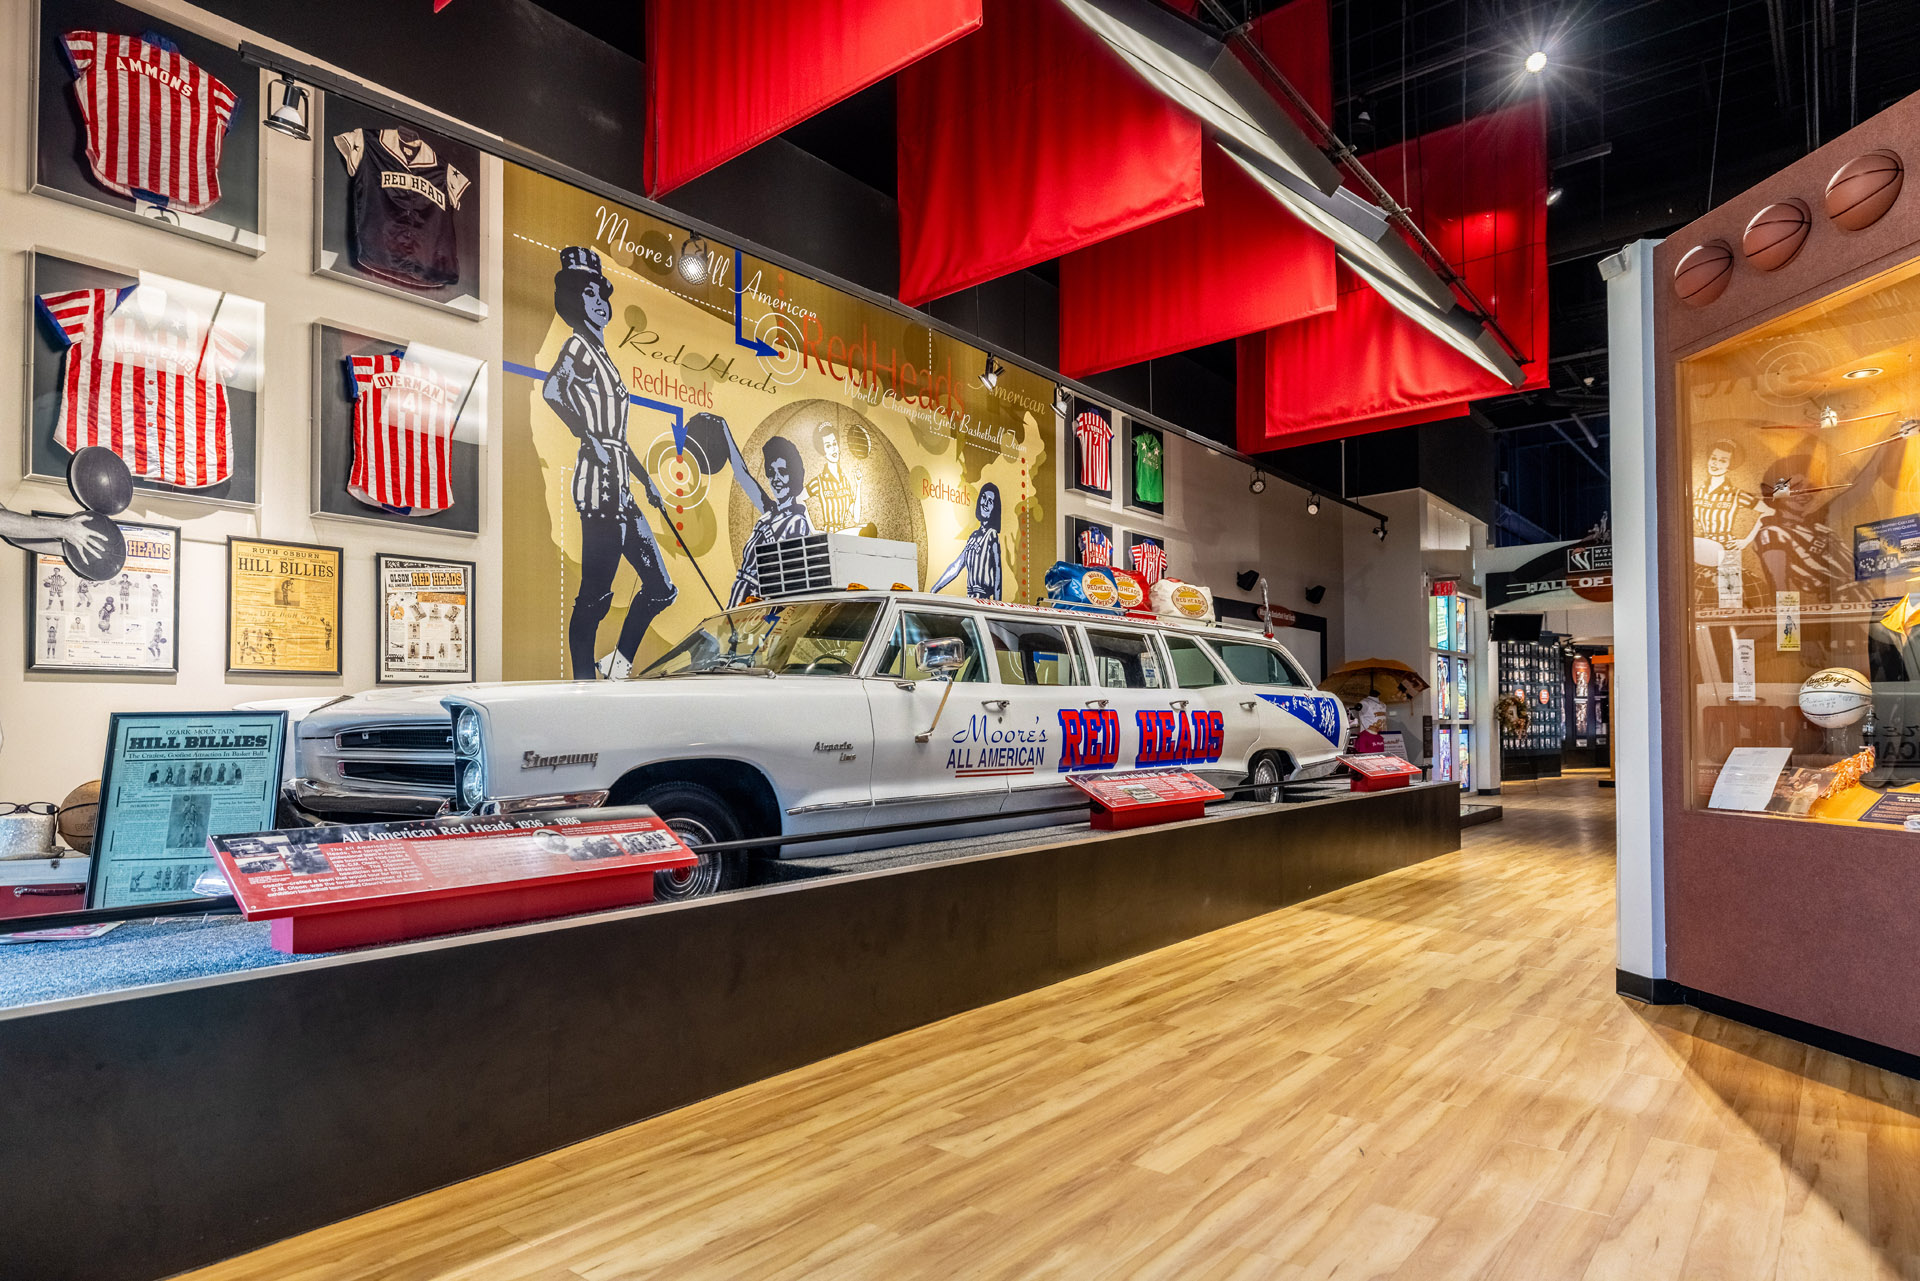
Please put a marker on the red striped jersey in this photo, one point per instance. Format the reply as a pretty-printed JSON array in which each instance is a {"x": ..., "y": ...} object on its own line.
[
  {"x": 1096, "y": 549},
  {"x": 1150, "y": 561},
  {"x": 146, "y": 378},
  {"x": 403, "y": 417},
  {"x": 155, "y": 122},
  {"x": 1095, "y": 434}
]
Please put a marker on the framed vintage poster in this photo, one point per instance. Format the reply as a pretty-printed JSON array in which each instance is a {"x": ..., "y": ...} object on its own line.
[
  {"x": 167, "y": 374},
  {"x": 399, "y": 430},
  {"x": 425, "y": 632},
  {"x": 397, "y": 207},
  {"x": 126, "y": 625},
  {"x": 283, "y": 608},
  {"x": 1145, "y": 461},
  {"x": 171, "y": 780},
  {"x": 200, "y": 174}
]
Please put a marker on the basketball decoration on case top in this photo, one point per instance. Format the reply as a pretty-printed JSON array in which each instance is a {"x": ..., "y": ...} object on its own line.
[
  {"x": 1776, "y": 234},
  {"x": 1703, "y": 272},
  {"x": 1862, "y": 190}
]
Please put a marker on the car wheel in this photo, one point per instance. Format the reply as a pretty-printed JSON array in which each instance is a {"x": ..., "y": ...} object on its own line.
[
  {"x": 697, "y": 816},
  {"x": 1266, "y": 778}
]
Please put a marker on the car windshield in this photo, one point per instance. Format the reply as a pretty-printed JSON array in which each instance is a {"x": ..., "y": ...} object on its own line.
[{"x": 812, "y": 638}]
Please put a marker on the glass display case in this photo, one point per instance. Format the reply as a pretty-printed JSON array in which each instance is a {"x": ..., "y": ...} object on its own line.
[
  {"x": 1803, "y": 490},
  {"x": 1449, "y": 636}
]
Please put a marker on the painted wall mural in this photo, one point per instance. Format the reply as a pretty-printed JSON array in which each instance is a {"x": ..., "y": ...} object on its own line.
[{"x": 673, "y": 404}]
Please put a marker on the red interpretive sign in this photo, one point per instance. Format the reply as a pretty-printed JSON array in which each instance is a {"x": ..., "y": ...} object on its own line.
[
  {"x": 1140, "y": 797},
  {"x": 1377, "y": 771},
  {"x": 331, "y": 887}
]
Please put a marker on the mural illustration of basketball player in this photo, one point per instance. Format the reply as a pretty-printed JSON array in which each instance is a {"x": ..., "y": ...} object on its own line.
[
  {"x": 585, "y": 390},
  {"x": 981, "y": 556},
  {"x": 781, "y": 503},
  {"x": 833, "y": 497}
]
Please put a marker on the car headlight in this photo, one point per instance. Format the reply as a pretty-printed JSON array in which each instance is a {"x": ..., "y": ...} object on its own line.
[
  {"x": 466, "y": 732},
  {"x": 473, "y": 782}
]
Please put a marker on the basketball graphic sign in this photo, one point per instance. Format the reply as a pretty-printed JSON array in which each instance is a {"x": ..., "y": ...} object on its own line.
[
  {"x": 1776, "y": 234},
  {"x": 1702, "y": 274},
  {"x": 1862, "y": 191}
]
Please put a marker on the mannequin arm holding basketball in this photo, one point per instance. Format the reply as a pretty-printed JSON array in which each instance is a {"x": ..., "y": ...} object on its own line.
[{"x": 46, "y": 533}]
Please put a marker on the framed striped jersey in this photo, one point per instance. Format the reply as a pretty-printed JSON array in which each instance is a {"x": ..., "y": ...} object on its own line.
[
  {"x": 146, "y": 376},
  {"x": 1092, "y": 427},
  {"x": 1147, "y": 558},
  {"x": 155, "y": 122},
  {"x": 403, "y": 418}
]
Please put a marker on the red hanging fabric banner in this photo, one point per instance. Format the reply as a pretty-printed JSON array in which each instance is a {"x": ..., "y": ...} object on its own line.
[
  {"x": 1237, "y": 264},
  {"x": 1479, "y": 191},
  {"x": 726, "y": 75},
  {"x": 1027, "y": 140}
]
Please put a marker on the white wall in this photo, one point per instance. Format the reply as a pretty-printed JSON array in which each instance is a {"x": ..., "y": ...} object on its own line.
[
  {"x": 55, "y": 725},
  {"x": 1214, "y": 528},
  {"x": 1641, "y": 923}
]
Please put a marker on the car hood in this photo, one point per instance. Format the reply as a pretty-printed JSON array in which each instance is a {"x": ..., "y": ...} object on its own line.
[{"x": 552, "y": 697}]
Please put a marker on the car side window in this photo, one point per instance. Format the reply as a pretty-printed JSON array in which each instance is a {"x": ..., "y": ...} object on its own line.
[
  {"x": 1124, "y": 660},
  {"x": 915, "y": 626},
  {"x": 1192, "y": 668},
  {"x": 1029, "y": 653},
  {"x": 1257, "y": 664}
]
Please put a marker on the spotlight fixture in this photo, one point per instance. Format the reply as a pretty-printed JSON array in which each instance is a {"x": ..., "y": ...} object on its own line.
[
  {"x": 1316, "y": 593},
  {"x": 287, "y": 102},
  {"x": 1554, "y": 194},
  {"x": 991, "y": 374},
  {"x": 1258, "y": 485},
  {"x": 695, "y": 263},
  {"x": 1246, "y": 579},
  {"x": 1536, "y": 62},
  {"x": 1313, "y": 505},
  {"x": 1380, "y": 531},
  {"x": 1868, "y": 371}
]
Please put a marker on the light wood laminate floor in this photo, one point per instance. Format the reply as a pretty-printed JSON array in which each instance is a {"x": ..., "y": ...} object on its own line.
[{"x": 1426, "y": 1075}]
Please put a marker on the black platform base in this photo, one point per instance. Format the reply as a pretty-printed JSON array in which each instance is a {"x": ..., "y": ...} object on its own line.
[
  {"x": 1666, "y": 992},
  {"x": 179, "y": 1127}
]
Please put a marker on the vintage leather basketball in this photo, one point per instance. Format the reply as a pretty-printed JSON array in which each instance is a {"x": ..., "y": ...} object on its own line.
[{"x": 78, "y": 813}]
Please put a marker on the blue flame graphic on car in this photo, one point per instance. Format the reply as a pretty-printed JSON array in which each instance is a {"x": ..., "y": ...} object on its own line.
[{"x": 1318, "y": 710}]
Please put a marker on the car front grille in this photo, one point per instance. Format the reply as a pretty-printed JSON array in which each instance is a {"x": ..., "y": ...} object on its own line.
[
  {"x": 433, "y": 774},
  {"x": 400, "y": 738}
]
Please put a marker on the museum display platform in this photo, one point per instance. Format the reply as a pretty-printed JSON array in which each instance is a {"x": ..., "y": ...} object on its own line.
[{"x": 264, "y": 1096}]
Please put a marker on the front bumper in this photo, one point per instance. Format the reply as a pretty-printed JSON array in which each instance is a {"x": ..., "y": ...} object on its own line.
[{"x": 318, "y": 805}]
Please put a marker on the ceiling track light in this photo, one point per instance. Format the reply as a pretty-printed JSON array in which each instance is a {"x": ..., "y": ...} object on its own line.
[
  {"x": 1313, "y": 505},
  {"x": 1536, "y": 62},
  {"x": 1380, "y": 531},
  {"x": 1258, "y": 485},
  {"x": 1554, "y": 194}
]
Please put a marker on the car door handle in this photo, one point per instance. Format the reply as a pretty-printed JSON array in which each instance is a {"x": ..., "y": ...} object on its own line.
[
  {"x": 997, "y": 704},
  {"x": 1250, "y": 704},
  {"x": 1181, "y": 703},
  {"x": 1096, "y": 702}
]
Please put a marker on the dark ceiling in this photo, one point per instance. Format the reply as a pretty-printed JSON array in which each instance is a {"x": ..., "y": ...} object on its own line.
[{"x": 1658, "y": 109}]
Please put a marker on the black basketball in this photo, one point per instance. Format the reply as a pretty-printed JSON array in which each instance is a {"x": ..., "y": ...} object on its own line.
[
  {"x": 100, "y": 480},
  {"x": 106, "y": 562},
  {"x": 707, "y": 436}
]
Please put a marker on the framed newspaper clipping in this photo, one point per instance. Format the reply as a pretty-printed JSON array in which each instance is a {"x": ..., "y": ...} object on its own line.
[
  {"x": 128, "y": 625},
  {"x": 426, "y": 620},
  {"x": 283, "y": 608},
  {"x": 171, "y": 780}
]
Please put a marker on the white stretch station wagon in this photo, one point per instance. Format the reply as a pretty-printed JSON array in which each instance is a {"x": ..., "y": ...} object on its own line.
[{"x": 833, "y": 711}]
